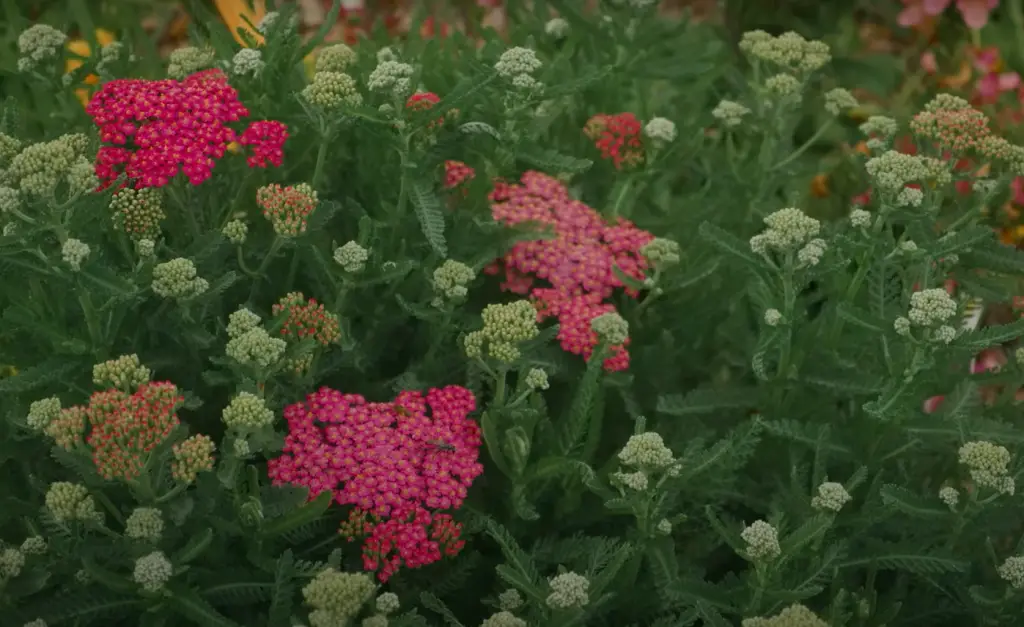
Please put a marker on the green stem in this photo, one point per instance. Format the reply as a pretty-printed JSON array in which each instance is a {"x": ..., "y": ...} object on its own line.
[
  {"x": 241, "y": 263},
  {"x": 500, "y": 387},
  {"x": 858, "y": 278},
  {"x": 788, "y": 307},
  {"x": 275, "y": 247},
  {"x": 92, "y": 322},
  {"x": 793, "y": 156},
  {"x": 173, "y": 492},
  {"x": 321, "y": 160},
  {"x": 620, "y": 197}
]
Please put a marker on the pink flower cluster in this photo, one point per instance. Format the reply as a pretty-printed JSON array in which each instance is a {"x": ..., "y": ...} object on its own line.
[
  {"x": 400, "y": 464},
  {"x": 577, "y": 263},
  {"x": 174, "y": 126},
  {"x": 974, "y": 12}
]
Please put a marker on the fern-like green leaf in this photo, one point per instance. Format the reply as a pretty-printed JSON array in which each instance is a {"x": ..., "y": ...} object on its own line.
[
  {"x": 37, "y": 376},
  {"x": 914, "y": 563},
  {"x": 991, "y": 336},
  {"x": 435, "y": 604},
  {"x": 905, "y": 501},
  {"x": 709, "y": 400},
  {"x": 583, "y": 410},
  {"x": 88, "y": 606},
  {"x": 728, "y": 243},
  {"x": 428, "y": 211},
  {"x": 279, "y": 614},
  {"x": 520, "y": 570},
  {"x": 189, "y": 605},
  {"x": 235, "y": 593},
  {"x": 554, "y": 162}
]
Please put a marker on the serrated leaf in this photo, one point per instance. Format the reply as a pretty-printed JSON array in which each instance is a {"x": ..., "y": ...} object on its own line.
[
  {"x": 298, "y": 517},
  {"x": 728, "y": 243},
  {"x": 428, "y": 211},
  {"x": 435, "y": 604},
  {"x": 709, "y": 400},
  {"x": 977, "y": 341},
  {"x": 863, "y": 319},
  {"x": 479, "y": 128},
  {"x": 909, "y": 562},
  {"x": 905, "y": 501},
  {"x": 187, "y": 604},
  {"x": 553, "y": 162},
  {"x": 36, "y": 376}
]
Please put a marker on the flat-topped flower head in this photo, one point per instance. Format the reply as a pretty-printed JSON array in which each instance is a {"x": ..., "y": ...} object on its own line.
[
  {"x": 335, "y": 58},
  {"x": 287, "y": 208},
  {"x": 618, "y": 137},
  {"x": 307, "y": 318},
  {"x": 191, "y": 457}
]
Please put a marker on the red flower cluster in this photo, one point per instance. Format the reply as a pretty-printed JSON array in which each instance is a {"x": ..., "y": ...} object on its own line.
[
  {"x": 399, "y": 464},
  {"x": 126, "y": 428},
  {"x": 617, "y": 137},
  {"x": 577, "y": 263},
  {"x": 174, "y": 126},
  {"x": 456, "y": 173},
  {"x": 307, "y": 319}
]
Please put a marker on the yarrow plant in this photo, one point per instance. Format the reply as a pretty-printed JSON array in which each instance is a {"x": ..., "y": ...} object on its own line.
[{"x": 539, "y": 329}]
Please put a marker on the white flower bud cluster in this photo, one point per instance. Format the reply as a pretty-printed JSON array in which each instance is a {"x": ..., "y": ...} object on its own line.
[
  {"x": 611, "y": 328},
  {"x": 9, "y": 199},
  {"x": 762, "y": 541},
  {"x": 795, "y": 615},
  {"x": 730, "y": 113},
  {"x": 636, "y": 480},
  {"x": 68, "y": 502},
  {"x": 267, "y": 22},
  {"x": 772, "y": 317},
  {"x": 351, "y": 257},
  {"x": 988, "y": 465},
  {"x": 789, "y": 50},
  {"x": 883, "y": 126},
  {"x": 250, "y": 344},
  {"x": 945, "y": 334},
  {"x": 660, "y": 130},
  {"x": 568, "y": 590},
  {"x": 36, "y": 44},
  {"x": 331, "y": 90},
  {"x": 838, "y": 100},
  {"x": 1012, "y": 571},
  {"x": 646, "y": 451},
  {"x": 387, "y": 603},
  {"x": 949, "y": 496},
  {"x": 503, "y": 618},
  {"x": 177, "y": 279},
  {"x": 930, "y": 307},
  {"x": 247, "y": 61},
  {"x": 783, "y": 87},
  {"x": 661, "y": 253},
  {"x": 34, "y": 545},
  {"x": 235, "y": 231},
  {"x": 556, "y": 28},
  {"x": 788, "y": 229},
  {"x": 391, "y": 76},
  {"x": 518, "y": 65},
  {"x": 11, "y": 562},
  {"x": 42, "y": 412},
  {"x": 812, "y": 252},
  {"x": 152, "y": 571},
  {"x": 505, "y": 326},
  {"x": 892, "y": 171},
  {"x": 145, "y": 524},
  {"x": 125, "y": 372},
  {"x": 335, "y": 58},
  {"x": 337, "y": 597},
  {"x": 537, "y": 379},
  {"x": 247, "y": 412},
  {"x": 189, "y": 60},
  {"x": 831, "y": 497},
  {"x": 510, "y": 600},
  {"x": 451, "y": 278},
  {"x": 39, "y": 168},
  {"x": 74, "y": 252}
]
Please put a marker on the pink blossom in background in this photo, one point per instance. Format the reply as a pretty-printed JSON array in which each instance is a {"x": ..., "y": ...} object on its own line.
[
  {"x": 993, "y": 83},
  {"x": 974, "y": 12}
]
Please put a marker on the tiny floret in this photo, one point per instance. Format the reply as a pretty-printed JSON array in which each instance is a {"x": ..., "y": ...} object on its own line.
[
  {"x": 42, "y": 412},
  {"x": 452, "y": 278},
  {"x": 11, "y": 562},
  {"x": 611, "y": 328},
  {"x": 838, "y": 100},
  {"x": 387, "y": 603},
  {"x": 68, "y": 502},
  {"x": 661, "y": 253},
  {"x": 660, "y": 129},
  {"x": 503, "y": 618},
  {"x": 176, "y": 279},
  {"x": 646, "y": 451},
  {"x": 1012, "y": 571},
  {"x": 831, "y": 496},
  {"x": 74, "y": 252},
  {"x": 153, "y": 571},
  {"x": 730, "y": 113},
  {"x": 860, "y": 218},
  {"x": 124, "y": 373},
  {"x": 34, "y": 545},
  {"x": 557, "y": 28},
  {"x": 988, "y": 465},
  {"x": 949, "y": 496},
  {"x": 772, "y": 317},
  {"x": 235, "y": 231},
  {"x": 931, "y": 307},
  {"x": 537, "y": 379},
  {"x": 510, "y": 600},
  {"x": 880, "y": 125},
  {"x": 247, "y": 412},
  {"x": 144, "y": 523},
  {"x": 762, "y": 541},
  {"x": 568, "y": 590},
  {"x": 335, "y": 58},
  {"x": 337, "y": 596},
  {"x": 795, "y": 615},
  {"x": 247, "y": 61},
  {"x": 516, "y": 61},
  {"x": 664, "y": 527},
  {"x": 352, "y": 257}
]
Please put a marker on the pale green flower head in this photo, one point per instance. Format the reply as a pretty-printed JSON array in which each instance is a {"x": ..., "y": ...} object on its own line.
[
  {"x": 189, "y": 60},
  {"x": 152, "y": 571},
  {"x": 125, "y": 373},
  {"x": 331, "y": 90},
  {"x": 611, "y": 328},
  {"x": 176, "y": 279},
  {"x": 144, "y": 524},
  {"x": 762, "y": 541},
  {"x": 568, "y": 590},
  {"x": 335, "y": 58},
  {"x": 247, "y": 412}
]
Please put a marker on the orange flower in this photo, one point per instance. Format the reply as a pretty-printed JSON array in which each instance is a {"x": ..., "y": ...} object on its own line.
[
  {"x": 820, "y": 186},
  {"x": 235, "y": 12},
  {"x": 82, "y": 50},
  {"x": 958, "y": 80}
]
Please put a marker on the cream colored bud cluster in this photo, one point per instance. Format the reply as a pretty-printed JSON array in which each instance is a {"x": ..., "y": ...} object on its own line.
[
  {"x": 505, "y": 326},
  {"x": 518, "y": 65},
  {"x": 791, "y": 230},
  {"x": 988, "y": 465},
  {"x": 337, "y": 597},
  {"x": 839, "y": 100},
  {"x": 124, "y": 373},
  {"x": 352, "y": 257},
  {"x": 247, "y": 62},
  {"x": 643, "y": 456},
  {"x": 831, "y": 497},
  {"x": 451, "y": 280},
  {"x": 730, "y": 113},
  {"x": 189, "y": 60},
  {"x": 37, "y": 44},
  {"x": 247, "y": 412},
  {"x": 392, "y": 77},
  {"x": 789, "y": 50},
  {"x": 568, "y": 590},
  {"x": 74, "y": 252},
  {"x": 249, "y": 343},
  {"x": 795, "y": 615},
  {"x": 177, "y": 279},
  {"x": 332, "y": 87},
  {"x": 39, "y": 168},
  {"x": 762, "y": 541},
  {"x": 892, "y": 171},
  {"x": 611, "y": 328}
]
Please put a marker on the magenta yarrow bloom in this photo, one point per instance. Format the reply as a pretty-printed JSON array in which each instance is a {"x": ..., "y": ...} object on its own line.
[
  {"x": 154, "y": 129},
  {"x": 577, "y": 263}
]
